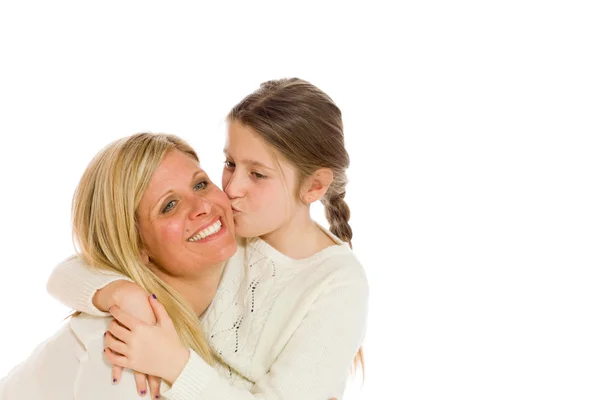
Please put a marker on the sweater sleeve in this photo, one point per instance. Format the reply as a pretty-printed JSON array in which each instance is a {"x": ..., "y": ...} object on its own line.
[
  {"x": 314, "y": 364},
  {"x": 74, "y": 283}
]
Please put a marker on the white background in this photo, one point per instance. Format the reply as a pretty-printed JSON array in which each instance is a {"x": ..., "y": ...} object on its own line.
[{"x": 473, "y": 130}]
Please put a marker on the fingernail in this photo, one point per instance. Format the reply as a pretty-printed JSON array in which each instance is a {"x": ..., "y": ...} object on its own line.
[
  {"x": 153, "y": 296},
  {"x": 143, "y": 392},
  {"x": 156, "y": 397},
  {"x": 114, "y": 380}
]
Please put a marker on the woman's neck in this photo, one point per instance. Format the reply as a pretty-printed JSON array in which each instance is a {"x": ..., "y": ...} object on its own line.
[
  {"x": 198, "y": 290},
  {"x": 299, "y": 238}
]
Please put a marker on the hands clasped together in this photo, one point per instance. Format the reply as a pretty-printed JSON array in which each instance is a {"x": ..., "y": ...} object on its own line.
[{"x": 152, "y": 349}]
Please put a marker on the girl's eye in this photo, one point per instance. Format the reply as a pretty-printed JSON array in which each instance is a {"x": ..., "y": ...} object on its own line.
[
  {"x": 229, "y": 164},
  {"x": 200, "y": 185},
  {"x": 258, "y": 175},
  {"x": 168, "y": 207}
]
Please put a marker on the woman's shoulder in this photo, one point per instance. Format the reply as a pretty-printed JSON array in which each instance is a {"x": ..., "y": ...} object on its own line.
[
  {"x": 57, "y": 362},
  {"x": 88, "y": 328}
]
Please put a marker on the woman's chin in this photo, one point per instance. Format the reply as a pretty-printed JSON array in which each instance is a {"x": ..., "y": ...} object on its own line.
[{"x": 229, "y": 249}]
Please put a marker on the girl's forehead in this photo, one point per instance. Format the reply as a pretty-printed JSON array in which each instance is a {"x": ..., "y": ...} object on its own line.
[{"x": 243, "y": 142}]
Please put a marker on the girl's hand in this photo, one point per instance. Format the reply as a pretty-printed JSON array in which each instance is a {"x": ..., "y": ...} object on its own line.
[
  {"x": 154, "y": 349},
  {"x": 133, "y": 299}
]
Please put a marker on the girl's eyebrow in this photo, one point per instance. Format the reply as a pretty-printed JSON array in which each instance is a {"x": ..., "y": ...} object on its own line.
[
  {"x": 256, "y": 164},
  {"x": 251, "y": 162}
]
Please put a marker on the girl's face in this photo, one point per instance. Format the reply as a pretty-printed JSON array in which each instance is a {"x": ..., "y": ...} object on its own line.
[{"x": 260, "y": 184}]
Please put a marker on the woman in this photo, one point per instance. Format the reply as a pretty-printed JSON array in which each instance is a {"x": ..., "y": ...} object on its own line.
[{"x": 123, "y": 225}]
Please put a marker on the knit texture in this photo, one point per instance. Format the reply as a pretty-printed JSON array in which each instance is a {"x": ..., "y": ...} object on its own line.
[{"x": 282, "y": 328}]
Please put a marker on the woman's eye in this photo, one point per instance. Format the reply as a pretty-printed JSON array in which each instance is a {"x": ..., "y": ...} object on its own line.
[
  {"x": 168, "y": 207},
  {"x": 258, "y": 175},
  {"x": 200, "y": 185},
  {"x": 229, "y": 164}
]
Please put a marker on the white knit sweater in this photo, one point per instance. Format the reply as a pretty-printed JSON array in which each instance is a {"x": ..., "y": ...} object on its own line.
[{"x": 285, "y": 329}]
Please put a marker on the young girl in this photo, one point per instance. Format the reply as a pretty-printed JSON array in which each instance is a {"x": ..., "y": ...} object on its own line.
[{"x": 290, "y": 312}]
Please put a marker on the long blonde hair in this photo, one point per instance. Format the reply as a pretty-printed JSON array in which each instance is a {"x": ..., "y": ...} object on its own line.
[
  {"x": 305, "y": 125},
  {"x": 105, "y": 224}
]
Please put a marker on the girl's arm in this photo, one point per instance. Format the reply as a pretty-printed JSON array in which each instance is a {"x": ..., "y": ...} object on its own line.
[
  {"x": 314, "y": 364},
  {"x": 78, "y": 286}
]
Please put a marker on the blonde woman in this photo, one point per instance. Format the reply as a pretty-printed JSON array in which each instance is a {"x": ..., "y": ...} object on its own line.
[{"x": 123, "y": 224}]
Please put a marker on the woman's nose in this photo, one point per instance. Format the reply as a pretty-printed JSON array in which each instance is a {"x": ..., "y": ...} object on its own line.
[{"x": 201, "y": 206}]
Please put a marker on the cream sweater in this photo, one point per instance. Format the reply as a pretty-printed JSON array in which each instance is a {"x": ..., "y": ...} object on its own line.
[
  {"x": 70, "y": 365},
  {"x": 285, "y": 329}
]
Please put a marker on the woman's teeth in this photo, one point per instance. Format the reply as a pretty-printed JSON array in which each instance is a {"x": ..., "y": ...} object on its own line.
[{"x": 211, "y": 230}]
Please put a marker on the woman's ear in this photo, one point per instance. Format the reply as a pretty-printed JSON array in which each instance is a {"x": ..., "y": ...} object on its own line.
[
  {"x": 315, "y": 186},
  {"x": 144, "y": 257}
]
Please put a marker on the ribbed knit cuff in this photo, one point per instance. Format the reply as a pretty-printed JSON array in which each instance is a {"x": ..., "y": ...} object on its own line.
[{"x": 193, "y": 380}]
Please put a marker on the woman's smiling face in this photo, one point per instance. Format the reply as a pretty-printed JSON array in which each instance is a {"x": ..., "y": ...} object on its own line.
[{"x": 185, "y": 221}]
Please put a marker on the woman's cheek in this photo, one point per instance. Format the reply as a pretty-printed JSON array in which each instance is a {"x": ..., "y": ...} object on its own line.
[
  {"x": 220, "y": 198},
  {"x": 173, "y": 231}
]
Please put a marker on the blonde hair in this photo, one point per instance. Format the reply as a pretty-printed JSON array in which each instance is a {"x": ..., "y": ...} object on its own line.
[
  {"x": 305, "y": 126},
  {"x": 105, "y": 224}
]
